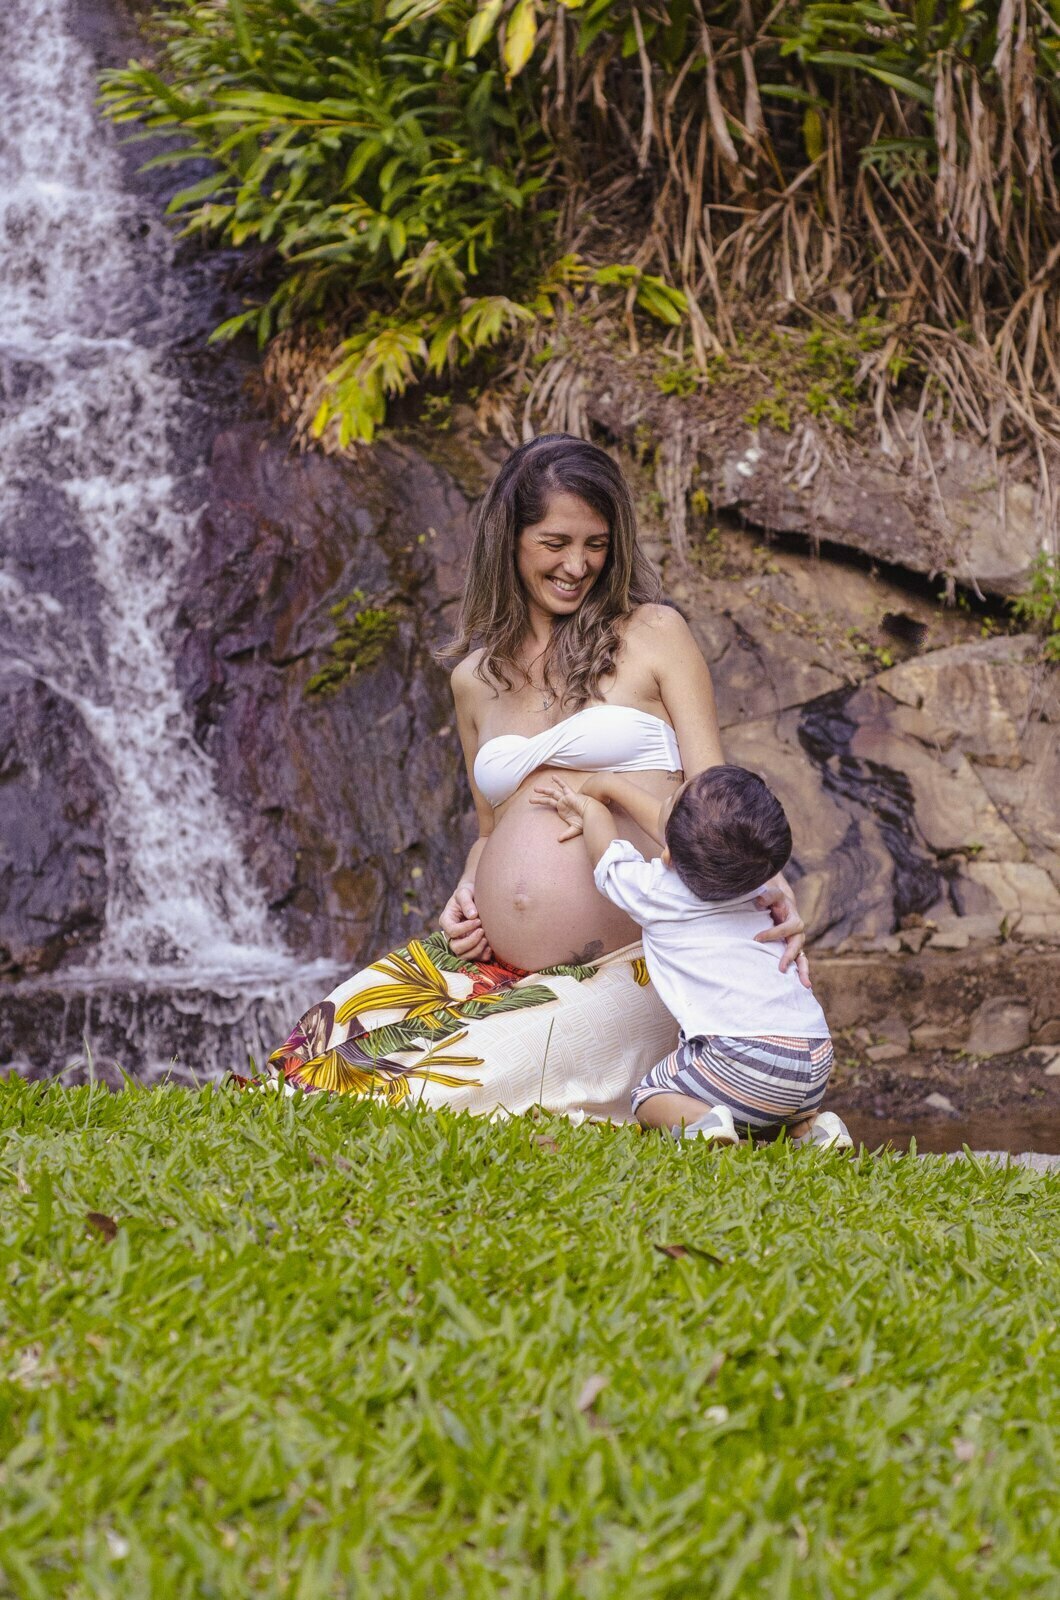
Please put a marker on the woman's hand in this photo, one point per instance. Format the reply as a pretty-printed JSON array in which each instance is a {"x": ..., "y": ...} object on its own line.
[
  {"x": 460, "y": 923},
  {"x": 778, "y": 900},
  {"x": 566, "y": 801}
]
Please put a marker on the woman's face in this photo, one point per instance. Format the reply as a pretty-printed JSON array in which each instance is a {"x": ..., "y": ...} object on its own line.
[{"x": 560, "y": 558}]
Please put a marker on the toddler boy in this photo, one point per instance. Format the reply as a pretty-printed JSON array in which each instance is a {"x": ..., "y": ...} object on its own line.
[{"x": 754, "y": 1044}]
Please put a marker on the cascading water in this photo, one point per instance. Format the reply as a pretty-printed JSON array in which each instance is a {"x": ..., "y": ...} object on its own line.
[{"x": 89, "y": 301}]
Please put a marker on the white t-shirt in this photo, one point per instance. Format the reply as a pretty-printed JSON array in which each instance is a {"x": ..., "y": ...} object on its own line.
[{"x": 702, "y": 956}]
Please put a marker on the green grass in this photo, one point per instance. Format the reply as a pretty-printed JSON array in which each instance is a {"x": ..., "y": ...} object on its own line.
[{"x": 333, "y": 1351}]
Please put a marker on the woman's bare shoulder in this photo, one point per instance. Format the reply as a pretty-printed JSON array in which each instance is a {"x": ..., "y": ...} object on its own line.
[
  {"x": 654, "y": 622},
  {"x": 464, "y": 675},
  {"x": 471, "y": 687}
]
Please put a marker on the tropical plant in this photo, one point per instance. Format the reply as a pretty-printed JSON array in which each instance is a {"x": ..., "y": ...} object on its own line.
[
  {"x": 387, "y": 177},
  {"x": 377, "y": 176},
  {"x": 824, "y": 161},
  {"x": 411, "y": 172},
  {"x": 1039, "y": 608}
]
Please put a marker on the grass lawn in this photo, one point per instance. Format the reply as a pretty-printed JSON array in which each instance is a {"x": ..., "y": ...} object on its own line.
[{"x": 256, "y": 1346}]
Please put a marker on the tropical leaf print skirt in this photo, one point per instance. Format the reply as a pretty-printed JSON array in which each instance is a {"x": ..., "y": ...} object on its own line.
[{"x": 424, "y": 1025}]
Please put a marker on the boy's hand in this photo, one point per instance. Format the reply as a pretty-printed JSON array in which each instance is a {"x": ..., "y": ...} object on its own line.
[{"x": 566, "y": 801}]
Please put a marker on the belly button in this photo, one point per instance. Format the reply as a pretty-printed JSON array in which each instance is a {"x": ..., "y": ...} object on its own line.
[{"x": 521, "y": 900}]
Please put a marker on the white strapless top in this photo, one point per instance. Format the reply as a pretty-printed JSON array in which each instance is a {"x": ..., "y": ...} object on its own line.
[{"x": 600, "y": 738}]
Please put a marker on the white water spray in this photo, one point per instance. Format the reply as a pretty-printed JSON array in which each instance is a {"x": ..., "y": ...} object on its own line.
[{"x": 87, "y": 474}]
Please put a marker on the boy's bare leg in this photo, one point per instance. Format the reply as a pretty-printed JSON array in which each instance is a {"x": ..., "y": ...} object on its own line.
[{"x": 671, "y": 1111}]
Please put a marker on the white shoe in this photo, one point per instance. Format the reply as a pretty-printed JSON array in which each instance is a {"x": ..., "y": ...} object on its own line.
[
  {"x": 717, "y": 1127},
  {"x": 829, "y": 1132}
]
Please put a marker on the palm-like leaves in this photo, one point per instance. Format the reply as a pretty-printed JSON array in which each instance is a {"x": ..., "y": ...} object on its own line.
[
  {"x": 406, "y": 163},
  {"x": 350, "y": 1069},
  {"x": 386, "y": 1058},
  {"x": 419, "y": 991},
  {"x": 416, "y": 988}
]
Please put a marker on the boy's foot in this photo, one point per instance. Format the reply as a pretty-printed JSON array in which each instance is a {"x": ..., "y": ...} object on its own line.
[
  {"x": 829, "y": 1132},
  {"x": 717, "y": 1127}
]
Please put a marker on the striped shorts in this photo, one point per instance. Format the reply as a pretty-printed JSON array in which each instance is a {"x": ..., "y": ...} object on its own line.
[{"x": 766, "y": 1082}]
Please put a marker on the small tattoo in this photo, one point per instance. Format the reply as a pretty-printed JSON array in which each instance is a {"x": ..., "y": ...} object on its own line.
[
  {"x": 593, "y": 949},
  {"x": 675, "y": 777}
]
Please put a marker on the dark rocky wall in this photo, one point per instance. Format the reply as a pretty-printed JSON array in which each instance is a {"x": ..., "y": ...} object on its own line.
[
  {"x": 353, "y": 803},
  {"x": 911, "y": 790},
  {"x": 52, "y": 877}
]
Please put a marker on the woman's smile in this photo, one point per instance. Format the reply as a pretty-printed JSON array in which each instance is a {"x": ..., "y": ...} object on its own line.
[
  {"x": 560, "y": 558},
  {"x": 567, "y": 588}
]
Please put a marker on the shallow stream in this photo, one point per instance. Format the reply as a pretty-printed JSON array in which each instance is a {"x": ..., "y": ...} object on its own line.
[{"x": 944, "y": 1134}]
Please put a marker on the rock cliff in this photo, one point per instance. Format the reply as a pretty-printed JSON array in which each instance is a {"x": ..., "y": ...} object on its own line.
[
  {"x": 914, "y": 744},
  {"x": 917, "y": 758},
  {"x": 351, "y": 796},
  {"x": 53, "y": 887}
]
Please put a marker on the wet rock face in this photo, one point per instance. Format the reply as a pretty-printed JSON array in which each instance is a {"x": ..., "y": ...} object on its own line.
[
  {"x": 52, "y": 876},
  {"x": 353, "y": 803},
  {"x": 923, "y": 798},
  {"x": 963, "y": 521},
  {"x": 920, "y": 796}
]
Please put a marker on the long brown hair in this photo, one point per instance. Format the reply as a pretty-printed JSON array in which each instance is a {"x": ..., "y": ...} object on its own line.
[{"x": 494, "y": 614}]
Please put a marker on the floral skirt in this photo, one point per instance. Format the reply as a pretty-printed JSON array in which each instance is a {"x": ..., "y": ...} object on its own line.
[{"x": 424, "y": 1025}]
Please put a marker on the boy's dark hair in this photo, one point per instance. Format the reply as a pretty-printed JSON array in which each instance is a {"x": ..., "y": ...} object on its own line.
[{"x": 727, "y": 834}]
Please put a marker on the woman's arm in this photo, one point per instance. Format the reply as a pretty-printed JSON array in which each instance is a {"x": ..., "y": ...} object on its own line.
[
  {"x": 459, "y": 919},
  {"x": 687, "y": 693},
  {"x": 778, "y": 898},
  {"x": 683, "y": 683}
]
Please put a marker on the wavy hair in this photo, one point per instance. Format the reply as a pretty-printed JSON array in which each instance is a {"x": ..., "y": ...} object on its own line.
[{"x": 494, "y": 614}]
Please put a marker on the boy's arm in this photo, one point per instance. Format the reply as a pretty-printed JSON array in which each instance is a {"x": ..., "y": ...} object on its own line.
[
  {"x": 598, "y": 828},
  {"x": 637, "y": 803},
  {"x": 580, "y": 812}
]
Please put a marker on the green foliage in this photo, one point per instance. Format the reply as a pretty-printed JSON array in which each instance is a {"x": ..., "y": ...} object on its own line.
[
  {"x": 1039, "y": 608},
  {"x": 363, "y": 635},
  {"x": 835, "y": 359},
  {"x": 774, "y": 408},
  {"x": 258, "y": 1346},
  {"x": 880, "y": 655},
  {"x": 373, "y": 165},
  {"x": 352, "y": 158},
  {"x": 816, "y": 371},
  {"x": 401, "y": 169},
  {"x": 382, "y": 168},
  {"x": 436, "y": 412},
  {"x": 676, "y": 377},
  {"x": 650, "y": 293}
]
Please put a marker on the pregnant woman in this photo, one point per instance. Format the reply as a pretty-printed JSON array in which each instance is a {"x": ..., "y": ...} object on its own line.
[{"x": 535, "y": 990}]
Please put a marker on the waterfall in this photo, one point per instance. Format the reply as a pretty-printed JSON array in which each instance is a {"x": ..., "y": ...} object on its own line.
[{"x": 88, "y": 471}]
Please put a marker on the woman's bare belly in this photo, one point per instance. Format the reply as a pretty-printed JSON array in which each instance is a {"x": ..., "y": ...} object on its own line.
[{"x": 536, "y": 897}]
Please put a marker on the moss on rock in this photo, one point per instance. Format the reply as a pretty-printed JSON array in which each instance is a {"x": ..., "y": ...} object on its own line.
[{"x": 363, "y": 635}]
